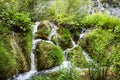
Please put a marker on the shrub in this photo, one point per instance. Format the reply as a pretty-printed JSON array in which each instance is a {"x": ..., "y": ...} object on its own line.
[
  {"x": 103, "y": 21},
  {"x": 64, "y": 36},
  {"x": 77, "y": 58},
  {"x": 96, "y": 43},
  {"x": 43, "y": 30},
  {"x": 17, "y": 22}
]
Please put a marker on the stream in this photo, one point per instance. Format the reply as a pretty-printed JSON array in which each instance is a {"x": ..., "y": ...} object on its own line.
[{"x": 66, "y": 64}]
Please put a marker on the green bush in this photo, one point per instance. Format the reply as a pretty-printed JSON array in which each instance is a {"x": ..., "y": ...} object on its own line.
[
  {"x": 17, "y": 22},
  {"x": 114, "y": 59},
  {"x": 64, "y": 36},
  {"x": 48, "y": 55},
  {"x": 103, "y": 21},
  {"x": 96, "y": 43},
  {"x": 77, "y": 58}
]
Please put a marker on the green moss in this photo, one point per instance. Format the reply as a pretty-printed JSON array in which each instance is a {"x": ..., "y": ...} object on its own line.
[
  {"x": 15, "y": 42},
  {"x": 61, "y": 75},
  {"x": 77, "y": 58},
  {"x": 7, "y": 61},
  {"x": 26, "y": 45},
  {"x": 48, "y": 55},
  {"x": 44, "y": 30},
  {"x": 96, "y": 43},
  {"x": 64, "y": 36}
]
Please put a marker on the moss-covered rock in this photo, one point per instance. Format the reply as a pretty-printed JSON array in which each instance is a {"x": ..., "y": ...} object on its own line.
[
  {"x": 7, "y": 62},
  {"x": 12, "y": 57},
  {"x": 48, "y": 55},
  {"x": 63, "y": 38},
  {"x": 97, "y": 43},
  {"x": 76, "y": 57},
  {"x": 43, "y": 30}
]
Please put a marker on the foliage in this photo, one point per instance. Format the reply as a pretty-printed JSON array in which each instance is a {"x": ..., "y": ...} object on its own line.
[
  {"x": 98, "y": 72},
  {"x": 48, "y": 55},
  {"x": 115, "y": 59},
  {"x": 64, "y": 36},
  {"x": 103, "y": 21},
  {"x": 96, "y": 43},
  {"x": 18, "y": 22},
  {"x": 43, "y": 30},
  {"x": 7, "y": 61},
  {"x": 60, "y": 75},
  {"x": 15, "y": 30},
  {"x": 77, "y": 58},
  {"x": 68, "y": 11}
]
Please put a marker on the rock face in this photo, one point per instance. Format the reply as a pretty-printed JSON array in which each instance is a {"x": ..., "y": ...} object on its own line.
[
  {"x": 48, "y": 55},
  {"x": 76, "y": 57},
  {"x": 43, "y": 30}
]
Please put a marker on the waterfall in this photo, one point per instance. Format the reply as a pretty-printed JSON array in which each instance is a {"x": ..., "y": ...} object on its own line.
[
  {"x": 33, "y": 70},
  {"x": 53, "y": 31},
  {"x": 73, "y": 43},
  {"x": 65, "y": 65}
]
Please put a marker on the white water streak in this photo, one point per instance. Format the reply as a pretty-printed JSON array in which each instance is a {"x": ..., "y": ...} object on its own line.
[
  {"x": 53, "y": 31},
  {"x": 33, "y": 69}
]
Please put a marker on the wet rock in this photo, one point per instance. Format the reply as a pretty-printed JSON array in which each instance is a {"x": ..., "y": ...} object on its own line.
[
  {"x": 48, "y": 55},
  {"x": 76, "y": 57},
  {"x": 43, "y": 30}
]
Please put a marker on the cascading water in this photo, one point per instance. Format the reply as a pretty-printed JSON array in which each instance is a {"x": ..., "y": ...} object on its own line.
[
  {"x": 53, "y": 31},
  {"x": 66, "y": 64},
  {"x": 33, "y": 70}
]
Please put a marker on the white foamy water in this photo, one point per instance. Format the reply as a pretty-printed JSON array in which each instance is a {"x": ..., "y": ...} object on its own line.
[
  {"x": 87, "y": 57},
  {"x": 73, "y": 43},
  {"x": 53, "y": 31},
  {"x": 65, "y": 65},
  {"x": 33, "y": 70}
]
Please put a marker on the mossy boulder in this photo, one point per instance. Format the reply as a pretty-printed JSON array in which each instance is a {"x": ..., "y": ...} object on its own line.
[
  {"x": 12, "y": 57},
  {"x": 76, "y": 57},
  {"x": 43, "y": 30},
  {"x": 48, "y": 55},
  {"x": 63, "y": 38},
  {"x": 97, "y": 43}
]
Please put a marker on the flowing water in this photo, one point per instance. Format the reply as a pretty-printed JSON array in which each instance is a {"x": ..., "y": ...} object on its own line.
[
  {"x": 33, "y": 69},
  {"x": 96, "y": 7},
  {"x": 66, "y": 64}
]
